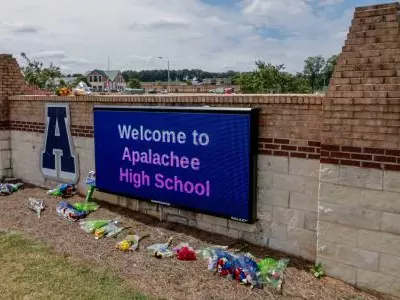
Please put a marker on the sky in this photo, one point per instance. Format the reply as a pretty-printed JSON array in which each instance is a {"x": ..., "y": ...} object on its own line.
[{"x": 213, "y": 35}]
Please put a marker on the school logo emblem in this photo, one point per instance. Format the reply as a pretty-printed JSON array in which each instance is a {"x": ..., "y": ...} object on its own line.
[{"x": 58, "y": 159}]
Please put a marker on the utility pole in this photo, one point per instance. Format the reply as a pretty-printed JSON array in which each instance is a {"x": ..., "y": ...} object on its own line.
[
  {"x": 108, "y": 63},
  {"x": 160, "y": 57},
  {"x": 168, "y": 76}
]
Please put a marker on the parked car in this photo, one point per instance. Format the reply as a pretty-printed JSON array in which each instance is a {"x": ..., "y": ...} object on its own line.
[{"x": 134, "y": 91}]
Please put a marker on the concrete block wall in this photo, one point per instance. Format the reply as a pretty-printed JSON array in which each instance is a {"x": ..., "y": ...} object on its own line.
[
  {"x": 27, "y": 147},
  {"x": 359, "y": 214},
  {"x": 5, "y": 154},
  {"x": 289, "y": 188}
]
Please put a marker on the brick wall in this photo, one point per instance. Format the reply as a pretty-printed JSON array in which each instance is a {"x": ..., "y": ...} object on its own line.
[
  {"x": 11, "y": 83},
  {"x": 361, "y": 108},
  {"x": 290, "y": 125},
  {"x": 328, "y": 180},
  {"x": 359, "y": 192}
]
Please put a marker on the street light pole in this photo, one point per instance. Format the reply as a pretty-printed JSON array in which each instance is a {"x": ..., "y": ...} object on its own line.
[
  {"x": 168, "y": 75},
  {"x": 160, "y": 57}
]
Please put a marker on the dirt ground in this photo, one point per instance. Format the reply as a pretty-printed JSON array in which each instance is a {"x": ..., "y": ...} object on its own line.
[{"x": 166, "y": 278}]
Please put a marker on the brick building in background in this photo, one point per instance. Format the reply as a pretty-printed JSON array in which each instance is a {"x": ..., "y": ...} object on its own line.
[
  {"x": 329, "y": 166},
  {"x": 106, "y": 80}
]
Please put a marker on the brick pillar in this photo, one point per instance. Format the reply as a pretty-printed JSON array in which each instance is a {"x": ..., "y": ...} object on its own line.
[
  {"x": 11, "y": 83},
  {"x": 361, "y": 108},
  {"x": 359, "y": 209}
]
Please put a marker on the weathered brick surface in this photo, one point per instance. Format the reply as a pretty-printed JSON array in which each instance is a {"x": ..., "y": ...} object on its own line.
[
  {"x": 361, "y": 106},
  {"x": 11, "y": 83},
  {"x": 289, "y": 125}
]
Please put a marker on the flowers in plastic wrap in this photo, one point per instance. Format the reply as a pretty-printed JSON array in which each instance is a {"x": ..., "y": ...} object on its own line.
[
  {"x": 130, "y": 242},
  {"x": 90, "y": 226},
  {"x": 86, "y": 206},
  {"x": 36, "y": 205},
  {"x": 109, "y": 230},
  {"x": 222, "y": 263},
  {"x": 63, "y": 91},
  {"x": 67, "y": 211},
  {"x": 246, "y": 271},
  {"x": 9, "y": 188},
  {"x": 82, "y": 89},
  {"x": 91, "y": 182},
  {"x": 63, "y": 190},
  {"x": 184, "y": 252},
  {"x": 271, "y": 271},
  {"x": 161, "y": 250}
]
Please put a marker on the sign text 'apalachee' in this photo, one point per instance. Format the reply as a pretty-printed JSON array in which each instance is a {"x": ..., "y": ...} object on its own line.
[{"x": 200, "y": 161}]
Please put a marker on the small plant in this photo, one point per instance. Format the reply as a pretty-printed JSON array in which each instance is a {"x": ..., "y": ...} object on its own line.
[{"x": 318, "y": 271}]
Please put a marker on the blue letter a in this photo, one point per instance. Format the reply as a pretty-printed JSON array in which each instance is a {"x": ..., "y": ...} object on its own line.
[{"x": 58, "y": 157}]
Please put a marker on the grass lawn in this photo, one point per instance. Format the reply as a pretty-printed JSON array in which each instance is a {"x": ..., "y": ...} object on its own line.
[{"x": 29, "y": 270}]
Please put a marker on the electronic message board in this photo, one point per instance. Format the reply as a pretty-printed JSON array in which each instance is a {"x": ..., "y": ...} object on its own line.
[{"x": 201, "y": 159}]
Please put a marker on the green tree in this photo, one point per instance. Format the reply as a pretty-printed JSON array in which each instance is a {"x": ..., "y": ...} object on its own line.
[
  {"x": 43, "y": 77},
  {"x": 134, "y": 84},
  {"x": 79, "y": 78},
  {"x": 330, "y": 68},
  {"x": 268, "y": 78},
  {"x": 314, "y": 70}
]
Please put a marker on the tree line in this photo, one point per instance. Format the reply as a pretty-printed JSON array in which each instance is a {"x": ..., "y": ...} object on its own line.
[{"x": 266, "y": 78}]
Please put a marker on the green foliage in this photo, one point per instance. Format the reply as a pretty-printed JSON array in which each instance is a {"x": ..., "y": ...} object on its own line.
[
  {"x": 27, "y": 266},
  {"x": 318, "y": 271},
  {"x": 270, "y": 78},
  {"x": 178, "y": 75},
  {"x": 313, "y": 69},
  {"x": 134, "y": 84},
  {"x": 36, "y": 74},
  {"x": 319, "y": 71},
  {"x": 79, "y": 78},
  {"x": 330, "y": 67}
]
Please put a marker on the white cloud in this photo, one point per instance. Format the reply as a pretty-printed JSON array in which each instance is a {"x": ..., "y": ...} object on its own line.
[
  {"x": 329, "y": 2},
  {"x": 80, "y": 35},
  {"x": 54, "y": 54}
]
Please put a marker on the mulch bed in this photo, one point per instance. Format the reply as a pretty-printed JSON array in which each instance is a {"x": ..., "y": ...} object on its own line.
[{"x": 166, "y": 278}]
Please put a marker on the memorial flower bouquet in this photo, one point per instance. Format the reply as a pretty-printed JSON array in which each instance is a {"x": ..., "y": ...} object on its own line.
[{"x": 63, "y": 91}]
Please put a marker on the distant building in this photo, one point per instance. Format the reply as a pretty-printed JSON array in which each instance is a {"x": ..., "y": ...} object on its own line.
[
  {"x": 106, "y": 80},
  {"x": 217, "y": 81},
  {"x": 63, "y": 80}
]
